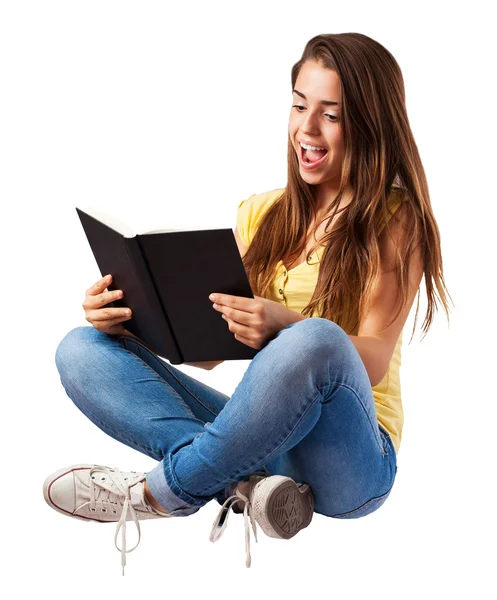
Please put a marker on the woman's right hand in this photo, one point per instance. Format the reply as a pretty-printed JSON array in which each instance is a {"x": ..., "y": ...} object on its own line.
[{"x": 108, "y": 320}]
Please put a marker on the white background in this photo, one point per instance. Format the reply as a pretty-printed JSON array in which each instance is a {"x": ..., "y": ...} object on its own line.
[{"x": 168, "y": 116}]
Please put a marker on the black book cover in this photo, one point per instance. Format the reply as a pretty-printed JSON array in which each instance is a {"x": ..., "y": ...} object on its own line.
[{"x": 166, "y": 278}]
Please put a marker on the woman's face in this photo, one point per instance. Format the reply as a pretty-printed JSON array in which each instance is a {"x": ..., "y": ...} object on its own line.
[{"x": 315, "y": 120}]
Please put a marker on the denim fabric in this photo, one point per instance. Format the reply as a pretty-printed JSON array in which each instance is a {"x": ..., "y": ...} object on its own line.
[{"x": 304, "y": 408}]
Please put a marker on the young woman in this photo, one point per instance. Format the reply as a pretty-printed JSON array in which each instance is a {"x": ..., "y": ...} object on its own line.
[{"x": 336, "y": 259}]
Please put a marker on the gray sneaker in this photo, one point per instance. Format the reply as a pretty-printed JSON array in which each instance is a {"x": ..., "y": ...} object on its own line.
[
  {"x": 277, "y": 503},
  {"x": 102, "y": 494}
]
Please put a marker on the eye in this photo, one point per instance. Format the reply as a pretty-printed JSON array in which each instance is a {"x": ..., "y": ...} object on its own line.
[{"x": 331, "y": 117}]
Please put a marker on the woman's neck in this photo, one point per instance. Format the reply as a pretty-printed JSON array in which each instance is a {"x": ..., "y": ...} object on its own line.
[{"x": 325, "y": 197}]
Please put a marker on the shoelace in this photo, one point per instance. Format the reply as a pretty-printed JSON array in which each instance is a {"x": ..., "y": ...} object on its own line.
[
  {"x": 221, "y": 521},
  {"x": 123, "y": 490}
]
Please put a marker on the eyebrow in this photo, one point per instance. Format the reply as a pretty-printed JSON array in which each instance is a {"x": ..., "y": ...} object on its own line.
[{"x": 325, "y": 102}]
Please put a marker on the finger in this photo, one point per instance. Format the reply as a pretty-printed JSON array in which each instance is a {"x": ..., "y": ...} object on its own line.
[
  {"x": 106, "y": 325},
  {"x": 103, "y": 298},
  {"x": 238, "y": 328},
  {"x": 244, "y": 340},
  {"x": 105, "y": 314},
  {"x": 239, "y": 302},
  {"x": 238, "y": 316},
  {"x": 100, "y": 285}
]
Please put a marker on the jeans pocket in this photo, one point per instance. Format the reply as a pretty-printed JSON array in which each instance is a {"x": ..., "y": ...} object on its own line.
[{"x": 366, "y": 509}]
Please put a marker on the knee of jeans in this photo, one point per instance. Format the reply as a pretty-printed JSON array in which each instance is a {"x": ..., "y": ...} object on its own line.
[
  {"x": 315, "y": 335},
  {"x": 74, "y": 346}
]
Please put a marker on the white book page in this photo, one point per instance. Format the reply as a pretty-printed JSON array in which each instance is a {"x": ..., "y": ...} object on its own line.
[
  {"x": 119, "y": 225},
  {"x": 160, "y": 230}
]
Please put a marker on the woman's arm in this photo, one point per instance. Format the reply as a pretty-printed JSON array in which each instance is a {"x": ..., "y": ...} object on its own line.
[
  {"x": 376, "y": 336},
  {"x": 375, "y": 354}
]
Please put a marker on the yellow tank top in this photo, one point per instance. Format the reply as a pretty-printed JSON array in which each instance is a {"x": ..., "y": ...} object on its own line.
[{"x": 294, "y": 289}]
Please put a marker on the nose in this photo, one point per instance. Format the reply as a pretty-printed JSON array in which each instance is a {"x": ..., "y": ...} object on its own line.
[{"x": 309, "y": 125}]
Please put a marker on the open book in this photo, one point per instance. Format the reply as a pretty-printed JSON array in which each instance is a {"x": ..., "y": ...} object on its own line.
[{"x": 166, "y": 277}]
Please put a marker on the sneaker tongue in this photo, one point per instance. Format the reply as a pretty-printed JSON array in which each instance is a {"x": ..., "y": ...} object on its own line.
[
  {"x": 137, "y": 490},
  {"x": 137, "y": 494}
]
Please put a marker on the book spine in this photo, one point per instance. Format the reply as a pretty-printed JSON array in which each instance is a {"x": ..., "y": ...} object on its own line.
[{"x": 154, "y": 327}]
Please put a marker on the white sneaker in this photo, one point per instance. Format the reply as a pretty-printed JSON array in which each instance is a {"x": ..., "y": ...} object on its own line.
[
  {"x": 102, "y": 494},
  {"x": 281, "y": 506}
]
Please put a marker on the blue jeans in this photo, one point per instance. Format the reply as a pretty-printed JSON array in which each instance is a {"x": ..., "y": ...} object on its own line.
[{"x": 304, "y": 408}]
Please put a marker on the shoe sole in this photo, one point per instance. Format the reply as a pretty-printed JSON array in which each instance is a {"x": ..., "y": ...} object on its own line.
[{"x": 289, "y": 509}]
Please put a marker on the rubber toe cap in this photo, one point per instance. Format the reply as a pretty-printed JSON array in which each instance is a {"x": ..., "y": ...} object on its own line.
[{"x": 60, "y": 492}]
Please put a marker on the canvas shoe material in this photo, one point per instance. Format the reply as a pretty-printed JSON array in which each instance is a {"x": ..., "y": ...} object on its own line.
[
  {"x": 101, "y": 494},
  {"x": 277, "y": 503}
]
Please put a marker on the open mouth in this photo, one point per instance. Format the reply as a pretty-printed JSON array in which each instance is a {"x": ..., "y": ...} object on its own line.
[{"x": 312, "y": 157}]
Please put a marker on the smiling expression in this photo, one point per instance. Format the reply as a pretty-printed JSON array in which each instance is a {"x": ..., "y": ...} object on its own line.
[{"x": 315, "y": 119}]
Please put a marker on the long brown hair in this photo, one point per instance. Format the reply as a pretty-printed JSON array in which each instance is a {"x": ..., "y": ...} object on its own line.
[{"x": 379, "y": 153}]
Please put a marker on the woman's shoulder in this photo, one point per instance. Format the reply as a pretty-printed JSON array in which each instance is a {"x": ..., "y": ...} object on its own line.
[
  {"x": 257, "y": 201},
  {"x": 251, "y": 210}
]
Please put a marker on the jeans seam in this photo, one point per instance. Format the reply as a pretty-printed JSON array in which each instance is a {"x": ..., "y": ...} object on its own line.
[
  {"x": 374, "y": 500},
  {"x": 170, "y": 372},
  {"x": 344, "y": 385},
  {"x": 385, "y": 438},
  {"x": 128, "y": 441},
  {"x": 266, "y": 458}
]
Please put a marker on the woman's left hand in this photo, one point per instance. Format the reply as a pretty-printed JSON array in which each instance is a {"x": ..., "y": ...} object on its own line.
[{"x": 254, "y": 321}]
